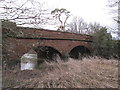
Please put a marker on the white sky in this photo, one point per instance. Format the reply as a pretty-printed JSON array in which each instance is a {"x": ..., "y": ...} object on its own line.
[{"x": 89, "y": 10}]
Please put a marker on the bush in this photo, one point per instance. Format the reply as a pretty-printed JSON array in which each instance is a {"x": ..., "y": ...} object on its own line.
[
  {"x": 65, "y": 57},
  {"x": 103, "y": 43}
]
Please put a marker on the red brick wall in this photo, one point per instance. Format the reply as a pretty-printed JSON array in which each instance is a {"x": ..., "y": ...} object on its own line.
[
  {"x": 17, "y": 47},
  {"x": 52, "y": 34}
]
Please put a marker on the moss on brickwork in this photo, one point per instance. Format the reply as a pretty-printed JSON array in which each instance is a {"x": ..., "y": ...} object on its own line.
[{"x": 8, "y": 25}]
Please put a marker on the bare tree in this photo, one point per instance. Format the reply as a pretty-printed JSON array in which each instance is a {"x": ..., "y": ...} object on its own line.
[
  {"x": 115, "y": 6},
  {"x": 73, "y": 25},
  {"x": 82, "y": 26},
  {"x": 62, "y": 15},
  {"x": 78, "y": 25},
  {"x": 27, "y": 12},
  {"x": 93, "y": 28}
]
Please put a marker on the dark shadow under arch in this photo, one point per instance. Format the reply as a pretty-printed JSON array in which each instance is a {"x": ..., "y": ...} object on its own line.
[
  {"x": 79, "y": 52},
  {"x": 47, "y": 53}
]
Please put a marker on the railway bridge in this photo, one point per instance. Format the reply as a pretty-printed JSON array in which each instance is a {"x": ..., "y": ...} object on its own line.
[{"x": 46, "y": 43}]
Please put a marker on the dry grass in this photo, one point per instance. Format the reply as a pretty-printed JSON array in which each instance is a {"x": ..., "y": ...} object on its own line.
[{"x": 88, "y": 73}]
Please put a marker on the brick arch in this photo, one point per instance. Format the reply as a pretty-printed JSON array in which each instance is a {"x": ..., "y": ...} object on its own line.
[
  {"x": 17, "y": 45},
  {"x": 80, "y": 46},
  {"x": 86, "y": 45},
  {"x": 35, "y": 48},
  {"x": 79, "y": 52},
  {"x": 35, "y": 44},
  {"x": 47, "y": 53}
]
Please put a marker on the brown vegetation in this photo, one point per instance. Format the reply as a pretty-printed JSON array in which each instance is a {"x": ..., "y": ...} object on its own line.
[{"x": 88, "y": 73}]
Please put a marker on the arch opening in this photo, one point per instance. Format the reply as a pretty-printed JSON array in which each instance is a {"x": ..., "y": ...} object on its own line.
[
  {"x": 29, "y": 60},
  {"x": 79, "y": 52},
  {"x": 46, "y": 53}
]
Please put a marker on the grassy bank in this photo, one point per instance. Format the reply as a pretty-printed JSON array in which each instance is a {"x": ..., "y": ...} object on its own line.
[{"x": 88, "y": 73}]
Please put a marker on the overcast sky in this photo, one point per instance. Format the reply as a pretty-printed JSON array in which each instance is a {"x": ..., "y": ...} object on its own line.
[{"x": 89, "y": 10}]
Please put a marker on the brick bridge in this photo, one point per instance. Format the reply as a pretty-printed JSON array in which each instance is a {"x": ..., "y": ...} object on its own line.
[{"x": 19, "y": 40}]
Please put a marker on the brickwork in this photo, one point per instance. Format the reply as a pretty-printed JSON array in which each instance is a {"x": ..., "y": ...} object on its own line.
[{"x": 28, "y": 38}]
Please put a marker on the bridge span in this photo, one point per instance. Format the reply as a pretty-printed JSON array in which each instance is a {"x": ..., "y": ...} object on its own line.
[{"x": 19, "y": 40}]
